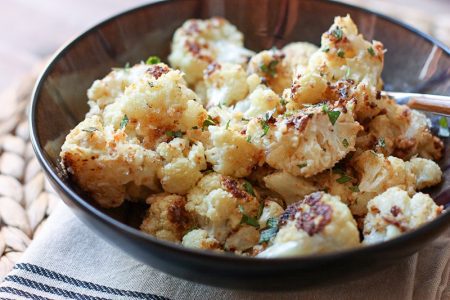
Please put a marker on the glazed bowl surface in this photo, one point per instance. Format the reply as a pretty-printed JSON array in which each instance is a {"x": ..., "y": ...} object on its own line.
[{"x": 414, "y": 63}]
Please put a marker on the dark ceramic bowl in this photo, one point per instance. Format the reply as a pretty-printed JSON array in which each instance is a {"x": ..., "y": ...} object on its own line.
[{"x": 414, "y": 62}]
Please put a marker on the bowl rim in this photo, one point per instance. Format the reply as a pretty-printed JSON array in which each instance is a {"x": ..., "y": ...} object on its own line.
[{"x": 169, "y": 246}]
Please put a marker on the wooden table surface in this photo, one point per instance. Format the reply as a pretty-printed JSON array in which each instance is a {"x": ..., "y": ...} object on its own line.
[{"x": 31, "y": 30}]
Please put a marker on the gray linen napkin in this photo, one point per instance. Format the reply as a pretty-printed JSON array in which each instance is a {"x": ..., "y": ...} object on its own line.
[{"x": 67, "y": 260}]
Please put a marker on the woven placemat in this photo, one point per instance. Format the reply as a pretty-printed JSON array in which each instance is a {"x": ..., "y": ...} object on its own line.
[{"x": 26, "y": 197}]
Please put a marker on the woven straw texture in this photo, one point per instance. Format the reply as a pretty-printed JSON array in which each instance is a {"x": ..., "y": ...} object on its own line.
[{"x": 26, "y": 198}]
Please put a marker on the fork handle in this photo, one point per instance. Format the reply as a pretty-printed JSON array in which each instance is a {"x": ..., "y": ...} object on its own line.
[{"x": 430, "y": 103}]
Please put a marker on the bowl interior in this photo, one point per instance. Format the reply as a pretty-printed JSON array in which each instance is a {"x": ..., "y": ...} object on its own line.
[{"x": 413, "y": 62}]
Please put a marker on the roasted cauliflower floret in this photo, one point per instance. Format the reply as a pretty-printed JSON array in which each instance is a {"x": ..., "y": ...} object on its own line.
[
  {"x": 308, "y": 141},
  {"x": 199, "y": 239},
  {"x": 298, "y": 54},
  {"x": 317, "y": 224},
  {"x": 225, "y": 84},
  {"x": 402, "y": 132},
  {"x": 345, "y": 67},
  {"x": 230, "y": 153},
  {"x": 260, "y": 101},
  {"x": 394, "y": 212},
  {"x": 223, "y": 205},
  {"x": 372, "y": 174},
  {"x": 103, "y": 161},
  {"x": 376, "y": 174},
  {"x": 290, "y": 188},
  {"x": 228, "y": 118},
  {"x": 426, "y": 171},
  {"x": 198, "y": 43},
  {"x": 182, "y": 165},
  {"x": 159, "y": 103},
  {"x": 271, "y": 66},
  {"x": 166, "y": 218},
  {"x": 106, "y": 90},
  {"x": 271, "y": 210},
  {"x": 243, "y": 239},
  {"x": 344, "y": 184}
]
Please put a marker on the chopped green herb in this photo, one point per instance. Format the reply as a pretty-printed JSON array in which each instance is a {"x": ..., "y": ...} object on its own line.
[
  {"x": 371, "y": 51},
  {"x": 345, "y": 143},
  {"x": 124, "y": 122},
  {"x": 343, "y": 179},
  {"x": 338, "y": 33},
  {"x": 265, "y": 127},
  {"x": 247, "y": 219},
  {"x": 90, "y": 129},
  {"x": 270, "y": 231},
  {"x": 443, "y": 127},
  {"x": 301, "y": 166},
  {"x": 354, "y": 188},
  {"x": 195, "y": 127},
  {"x": 347, "y": 73},
  {"x": 177, "y": 134},
  {"x": 381, "y": 142},
  {"x": 249, "y": 188},
  {"x": 228, "y": 124},
  {"x": 245, "y": 120},
  {"x": 326, "y": 49},
  {"x": 249, "y": 139},
  {"x": 340, "y": 53},
  {"x": 283, "y": 102},
  {"x": 272, "y": 222},
  {"x": 260, "y": 209},
  {"x": 152, "y": 60},
  {"x": 270, "y": 69},
  {"x": 333, "y": 115},
  {"x": 127, "y": 66},
  {"x": 208, "y": 122},
  {"x": 267, "y": 234}
]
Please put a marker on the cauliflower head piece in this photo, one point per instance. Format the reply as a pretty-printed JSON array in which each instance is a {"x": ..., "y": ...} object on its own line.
[
  {"x": 272, "y": 68},
  {"x": 198, "y": 43},
  {"x": 104, "y": 162},
  {"x": 394, "y": 212},
  {"x": 108, "y": 89},
  {"x": 158, "y": 104},
  {"x": 167, "y": 219},
  {"x": 298, "y": 54},
  {"x": 223, "y": 206},
  {"x": 308, "y": 141},
  {"x": 319, "y": 223},
  {"x": 230, "y": 153},
  {"x": 182, "y": 165},
  {"x": 346, "y": 67}
]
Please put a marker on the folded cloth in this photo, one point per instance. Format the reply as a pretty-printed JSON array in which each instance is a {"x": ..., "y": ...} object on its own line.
[{"x": 68, "y": 261}]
